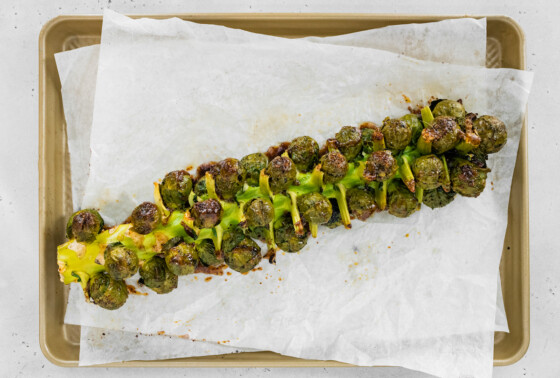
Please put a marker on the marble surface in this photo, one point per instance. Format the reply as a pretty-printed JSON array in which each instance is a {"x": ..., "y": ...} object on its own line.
[{"x": 20, "y": 23}]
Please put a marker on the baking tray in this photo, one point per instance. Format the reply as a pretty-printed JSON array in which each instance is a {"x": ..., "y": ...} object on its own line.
[{"x": 60, "y": 343}]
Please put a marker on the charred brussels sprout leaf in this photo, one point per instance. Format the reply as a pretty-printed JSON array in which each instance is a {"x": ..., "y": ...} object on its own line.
[
  {"x": 437, "y": 198},
  {"x": 182, "y": 259},
  {"x": 336, "y": 218},
  {"x": 259, "y": 233},
  {"x": 467, "y": 179},
  {"x": 229, "y": 178},
  {"x": 285, "y": 235},
  {"x": 107, "y": 292},
  {"x": 175, "y": 189},
  {"x": 207, "y": 253},
  {"x": 282, "y": 172},
  {"x": 334, "y": 166},
  {"x": 492, "y": 132},
  {"x": 428, "y": 172},
  {"x": 361, "y": 203},
  {"x": 304, "y": 152},
  {"x": 145, "y": 218},
  {"x": 84, "y": 225},
  {"x": 120, "y": 261},
  {"x": 397, "y": 134},
  {"x": 349, "y": 141},
  {"x": 259, "y": 212},
  {"x": 252, "y": 165},
  {"x": 314, "y": 208},
  {"x": 380, "y": 166},
  {"x": 450, "y": 108},
  {"x": 157, "y": 276},
  {"x": 445, "y": 133},
  {"x": 402, "y": 203},
  {"x": 200, "y": 187},
  {"x": 241, "y": 253},
  {"x": 207, "y": 213}
]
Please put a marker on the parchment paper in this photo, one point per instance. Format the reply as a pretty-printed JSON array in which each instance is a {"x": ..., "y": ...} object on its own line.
[{"x": 412, "y": 65}]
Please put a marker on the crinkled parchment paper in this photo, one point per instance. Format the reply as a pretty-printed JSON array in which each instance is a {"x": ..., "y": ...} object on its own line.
[{"x": 435, "y": 282}]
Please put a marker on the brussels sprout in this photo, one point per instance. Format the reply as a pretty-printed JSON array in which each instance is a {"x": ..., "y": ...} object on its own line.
[
  {"x": 84, "y": 225},
  {"x": 200, "y": 187},
  {"x": 207, "y": 213},
  {"x": 467, "y": 179},
  {"x": 336, "y": 218},
  {"x": 157, "y": 276},
  {"x": 492, "y": 132},
  {"x": 315, "y": 208},
  {"x": 229, "y": 178},
  {"x": 446, "y": 134},
  {"x": 207, "y": 253},
  {"x": 282, "y": 172},
  {"x": 120, "y": 261},
  {"x": 397, "y": 134},
  {"x": 334, "y": 166},
  {"x": 241, "y": 253},
  {"x": 402, "y": 203},
  {"x": 182, "y": 259},
  {"x": 428, "y": 172},
  {"x": 304, "y": 152},
  {"x": 107, "y": 292},
  {"x": 449, "y": 108},
  {"x": 380, "y": 166},
  {"x": 438, "y": 198},
  {"x": 416, "y": 126},
  {"x": 259, "y": 212},
  {"x": 372, "y": 138},
  {"x": 252, "y": 165},
  {"x": 349, "y": 142},
  {"x": 361, "y": 203},
  {"x": 175, "y": 189},
  {"x": 286, "y": 237},
  {"x": 145, "y": 218}
]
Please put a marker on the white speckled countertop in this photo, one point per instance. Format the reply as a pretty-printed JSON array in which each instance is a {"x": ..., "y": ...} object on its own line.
[{"x": 20, "y": 23}]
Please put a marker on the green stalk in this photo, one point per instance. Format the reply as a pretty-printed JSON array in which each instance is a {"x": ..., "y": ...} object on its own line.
[
  {"x": 424, "y": 143},
  {"x": 296, "y": 218},
  {"x": 419, "y": 195},
  {"x": 314, "y": 228},
  {"x": 381, "y": 193},
  {"x": 406, "y": 173},
  {"x": 446, "y": 186},
  {"x": 210, "y": 186},
  {"x": 264, "y": 185},
  {"x": 342, "y": 205}
]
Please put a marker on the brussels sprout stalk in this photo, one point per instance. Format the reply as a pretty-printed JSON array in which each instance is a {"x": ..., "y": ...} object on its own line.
[
  {"x": 425, "y": 141},
  {"x": 159, "y": 203},
  {"x": 296, "y": 218},
  {"x": 446, "y": 185},
  {"x": 210, "y": 186},
  {"x": 380, "y": 193}
]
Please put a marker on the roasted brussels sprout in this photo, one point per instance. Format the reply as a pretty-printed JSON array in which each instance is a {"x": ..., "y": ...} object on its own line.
[
  {"x": 282, "y": 172},
  {"x": 416, "y": 126},
  {"x": 155, "y": 274},
  {"x": 304, "y": 152},
  {"x": 285, "y": 235},
  {"x": 120, "y": 261},
  {"x": 372, "y": 138},
  {"x": 428, "y": 172},
  {"x": 492, "y": 132},
  {"x": 380, "y": 166},
  {"x": 181, "y": 259},
  {"x": 229, "y": 178},
  {"x": 259, "y": 212},
  {"x": 314, "y": 208},
  {"x": 449, "y": 108},
  {"x": 336, "y": 218},
  {"x": 397, "y": 134},
  {"x": 175, "y": 189},
  {"x": 446, "y": 134},
  {"x": 207, "y": 213},
  {"x": 145, "y": 218},
  {"x": 84, "y": 225},
  {"x": 436, "y": 198},
  {"x": 252, "y": 165},
  {"x": 402, "y": 203},
  {"x": 349, "y": 141},
  {"x": 107, "y": 292},
  {"x": 361, "y": 203},
  {"x": 207, "y": 253},
  {"x": 200, "y": 187},
  {"x": 241, "y": 253},
  {"x": 467, "y": 179},
  {"x": 334, "y": 166}
]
